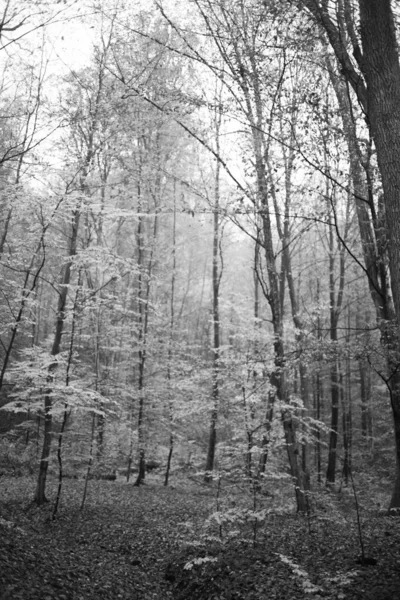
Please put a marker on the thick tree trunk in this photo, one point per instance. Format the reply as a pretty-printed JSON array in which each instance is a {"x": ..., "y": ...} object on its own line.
[
  {"x": 382, "y": 74},
  {"x": 381, "y": 70}
]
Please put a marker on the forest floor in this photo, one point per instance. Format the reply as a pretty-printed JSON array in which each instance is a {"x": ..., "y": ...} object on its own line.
[{"x": 159, "y": 543}]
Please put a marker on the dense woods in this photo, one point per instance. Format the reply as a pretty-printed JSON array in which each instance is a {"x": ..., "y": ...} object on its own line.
[{"x": 200, "y": 249}]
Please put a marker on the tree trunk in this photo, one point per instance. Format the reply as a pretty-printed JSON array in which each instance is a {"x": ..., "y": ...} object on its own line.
[
  {"x": 347, "y": 428},
  {"x": 270, "y": 400},
  {"x": 335, "y": 305},
  {"x": 216, "y": 278},
  {"x": 40, "y": 496},
  {"x": 381, "y": 70},
  {"x": 365, "y": 383},
  {"x": 333, "y": 436},
  {"x": 145, "y": 267},
  {"x": 169, "y": 459},
  {"x": 318, "y": 398},
  {"x": 170, "y": 343},
  {"x": 143, "y": 307},
  {"x": 382, "y": 74},
  {"x": 284, "y": 232},
  {"x": 377, "y": 87}
]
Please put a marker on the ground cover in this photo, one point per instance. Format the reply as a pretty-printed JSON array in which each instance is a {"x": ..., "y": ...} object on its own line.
[{"x": 187, "y": 543}]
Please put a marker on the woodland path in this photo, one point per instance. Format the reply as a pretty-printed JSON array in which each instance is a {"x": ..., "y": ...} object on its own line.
[{"x": 131, "y": 544}]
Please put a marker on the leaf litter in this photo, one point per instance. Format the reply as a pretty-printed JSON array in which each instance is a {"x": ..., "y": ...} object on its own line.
[{"x": 156, "y": 543}]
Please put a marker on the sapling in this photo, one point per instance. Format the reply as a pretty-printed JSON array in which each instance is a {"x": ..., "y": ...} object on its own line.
[{"x": 363, "y": 559}]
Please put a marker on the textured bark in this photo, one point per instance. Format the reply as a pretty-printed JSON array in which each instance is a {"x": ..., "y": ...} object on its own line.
[{"x": 382, "y": 74}]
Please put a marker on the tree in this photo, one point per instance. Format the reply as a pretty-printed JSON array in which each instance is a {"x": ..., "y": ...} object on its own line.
[
  {"x": 85, "y": 136},
  {"x": 216, "y": 281},
  {"x": 374, "y": 76}
]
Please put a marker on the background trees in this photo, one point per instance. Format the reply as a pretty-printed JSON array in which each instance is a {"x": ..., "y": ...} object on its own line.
[{"x": 201, "y": 232}]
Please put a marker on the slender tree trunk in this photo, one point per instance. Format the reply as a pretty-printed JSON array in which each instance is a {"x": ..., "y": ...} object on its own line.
[
  {"x": 142, "y": 340},
  {"x": 284, "y": 232},
  {"x": 40, "y": 496},
  {"x": 25, "y": 145},
  {"x": 365, "y": 382},
  {"x": 88, "y": 143},
  {"x": 216, "y": 278},
  {"x": 66, "y": 405},
  {"x": 270, "y": 399},
  {"x": 333, "y": 436},
  {"x": 240, "y": 59},
  {"x": 334, "y": 373},
  {"x": 145, "y": 266},
  {"x": 29, "y": 288},
  {"x": 317, "y": 409},
  {"x": 170, "y": 343},
  {"x": 347, "y": 423}
]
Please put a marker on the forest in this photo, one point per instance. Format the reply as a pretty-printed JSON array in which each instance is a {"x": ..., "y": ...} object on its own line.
[{"x": 200, "y": 299}]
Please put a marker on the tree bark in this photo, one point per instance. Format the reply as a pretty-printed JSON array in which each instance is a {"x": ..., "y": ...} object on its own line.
[
  {"x": 381, "y": 70},
  {"x": 216, "y": 279},
  {"x": 334, "y": 373},
  {"x": 143, "y": 307}
]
